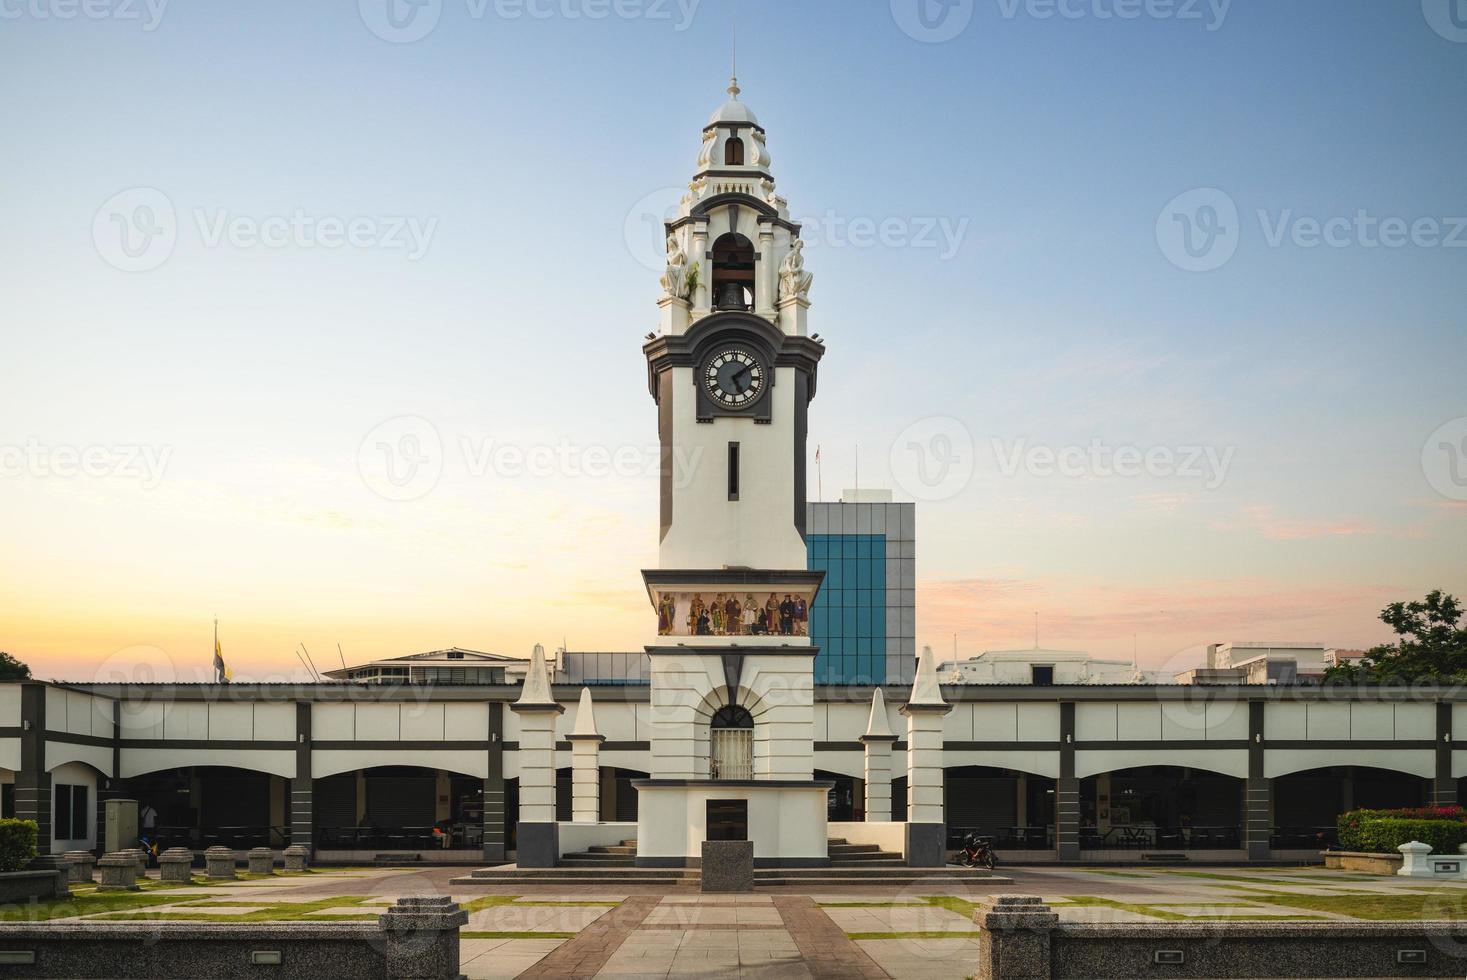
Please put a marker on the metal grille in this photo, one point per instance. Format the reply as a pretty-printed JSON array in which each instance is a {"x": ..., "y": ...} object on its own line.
[{"x": 732, "y": 753}]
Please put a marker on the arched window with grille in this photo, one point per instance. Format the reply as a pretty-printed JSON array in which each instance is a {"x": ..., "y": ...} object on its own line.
[
  {"x": 731, "y": 744},
  {"x": 733, "y": 152}
]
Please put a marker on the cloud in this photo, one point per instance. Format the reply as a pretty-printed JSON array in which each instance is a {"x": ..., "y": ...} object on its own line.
[{"x": 1265, "y": 520}]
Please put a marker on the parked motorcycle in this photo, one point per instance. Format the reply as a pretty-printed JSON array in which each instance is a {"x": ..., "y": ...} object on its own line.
[{"x": 977, "y": 851}]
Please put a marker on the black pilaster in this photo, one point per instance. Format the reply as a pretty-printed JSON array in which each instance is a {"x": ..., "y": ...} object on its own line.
[
  {"x": 1444, "y": 788},
  {"x": 302, "y": 809},
  {"x": 33, "y": 782},
  {"x": 494, "y": 787},
  {"x": 1257, "y": 791},
  {"x": 1067, "y": 790}
]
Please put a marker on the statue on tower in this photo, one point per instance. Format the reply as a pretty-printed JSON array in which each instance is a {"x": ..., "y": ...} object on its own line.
[
  {"x": 794, "y": 281},
  {"x": 675, "y": 279}
]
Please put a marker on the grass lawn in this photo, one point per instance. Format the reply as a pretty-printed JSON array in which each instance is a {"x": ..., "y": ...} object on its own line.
[
  {"x": 274, "y": 912},
  {"x": 83, "y": 903},
  {"x": 1369, "y": 905}
]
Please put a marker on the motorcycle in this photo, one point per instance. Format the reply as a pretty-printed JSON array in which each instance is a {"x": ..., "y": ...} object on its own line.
[{"x": 977, "y": 851}]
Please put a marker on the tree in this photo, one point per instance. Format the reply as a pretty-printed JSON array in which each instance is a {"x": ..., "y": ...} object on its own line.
[
  {"x": 12, "y": 669},
  {"x": 1432, "y": 645}
]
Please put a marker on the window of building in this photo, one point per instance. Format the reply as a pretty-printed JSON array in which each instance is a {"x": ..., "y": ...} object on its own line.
[
  {"x": 733, "y": 152},
  {"x": 7, "y": 801},
  {"x": 1042, "y": 674},
  {"x": 733, "y": 272},
  {"x": 731, "y": 744},
  {"x": 71, "y": 811},
  {"x": 733, "y": 471}
]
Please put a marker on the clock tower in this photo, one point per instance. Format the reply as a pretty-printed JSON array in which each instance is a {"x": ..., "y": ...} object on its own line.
[{"x": 732, "y": 369}]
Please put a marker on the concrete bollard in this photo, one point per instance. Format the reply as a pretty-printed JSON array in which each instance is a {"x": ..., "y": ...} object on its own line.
[
  {"x": 422, "y": 938},
  {"x": 79, "y": 866},
  {"x": 1014, "y": 944},
  {"x": 119, "y": 872},
  {"x": 141, "y": 857},
  {"x": 177, "y": 864},
  {"x": 262, "y": 861},
  {"x": 219, "y": 862},
  {"x": 1413, "y": 860},
  {"x": 297, "y": 857}
]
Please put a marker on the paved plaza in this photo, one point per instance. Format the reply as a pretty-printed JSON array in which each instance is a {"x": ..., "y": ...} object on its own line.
[{"x": 923, "y": 930}]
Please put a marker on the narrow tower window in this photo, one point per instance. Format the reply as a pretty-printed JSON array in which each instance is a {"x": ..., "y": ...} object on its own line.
[
  {"x": 733, "y": 152},
  {"x": 733, "y": 471}
]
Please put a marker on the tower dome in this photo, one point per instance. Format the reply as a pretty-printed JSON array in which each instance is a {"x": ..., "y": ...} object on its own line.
[{"x": 734, "y": 111}]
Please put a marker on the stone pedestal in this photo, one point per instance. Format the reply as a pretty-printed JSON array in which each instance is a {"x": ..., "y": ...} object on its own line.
[
  {"x": 262, "y": 861},
  {"x": 585, "y": 764},
  {"x": 141, "y": 857},
  {"x": 297, "y": 857},
  {"x": 176, "y": 864},
  {"x": 1413, "y": 860},
  {"x": 119, "y": 873},
  {"x": 79, "y": 865},
  {"x": 728, "y": 866},
  {"x": 219, "y": 862},
  {"x": 878, "y": 742},
  {"x": 538, "y": 845},
  {"x": 422, "y": 938},
  {"x": 1014, "y": 943}
]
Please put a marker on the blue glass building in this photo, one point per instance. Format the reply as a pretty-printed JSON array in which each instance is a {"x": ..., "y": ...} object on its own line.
[{"x": 864, "y": 619}]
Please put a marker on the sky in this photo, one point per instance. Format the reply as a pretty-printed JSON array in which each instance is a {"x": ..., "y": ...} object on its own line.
[{"x": 325, "y": 319}]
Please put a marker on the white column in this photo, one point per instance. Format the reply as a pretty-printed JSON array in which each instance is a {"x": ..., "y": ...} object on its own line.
[
  {"x": 538, "y": 835},
  {"x": 700, "y": 255},
  {"x": 926, "y": 832},
  {"x": 878, "y": 741},
  {"x": 764, "y": 285},
  {"x": 585, "y": 764}
]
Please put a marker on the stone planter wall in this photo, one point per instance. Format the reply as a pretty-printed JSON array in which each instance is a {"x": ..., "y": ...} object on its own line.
[
  {"x": 417, "y": 938},
  {"x": 19, "y": 887},
  {"x": 1375, "y": 864}
]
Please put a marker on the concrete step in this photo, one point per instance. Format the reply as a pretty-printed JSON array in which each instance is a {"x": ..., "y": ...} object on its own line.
[
  {"x": 834, "y": 848},
  {"x": 613, "y": 849},
  {"x": 596, "y": 861}
]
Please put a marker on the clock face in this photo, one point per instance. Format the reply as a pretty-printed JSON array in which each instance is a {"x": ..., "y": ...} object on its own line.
[{"x": 734, "y": 378}]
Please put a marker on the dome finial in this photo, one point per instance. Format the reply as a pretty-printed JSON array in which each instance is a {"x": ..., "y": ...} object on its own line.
[{"x": 733, "y": 87}]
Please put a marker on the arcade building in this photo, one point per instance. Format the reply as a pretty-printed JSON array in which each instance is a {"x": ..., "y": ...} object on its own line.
[{"x": 777, "y": 698}]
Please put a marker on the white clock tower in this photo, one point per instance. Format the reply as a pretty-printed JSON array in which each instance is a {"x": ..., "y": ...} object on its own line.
[{"x": 732, "y": 369}]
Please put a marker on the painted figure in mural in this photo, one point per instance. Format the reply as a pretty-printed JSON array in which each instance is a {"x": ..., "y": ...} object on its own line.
[
  {"x": 802, "y": 616},
  {"x": 750, "y": 614},
  {"x": 717, "y": 614},
  {"x": 665, "y": 611},
  {"x": 787, "y": 616},
  {"x": 771, "y": 614},
  {"x": 696, "y": 614},
  {"x": 732, "y": 612}
]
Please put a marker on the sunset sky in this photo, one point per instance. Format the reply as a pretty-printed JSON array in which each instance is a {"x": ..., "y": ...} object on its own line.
[{"x": 200, "y": 431}]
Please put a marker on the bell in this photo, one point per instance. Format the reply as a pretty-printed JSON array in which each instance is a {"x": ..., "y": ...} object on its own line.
[{"x": 731, "y": 297}]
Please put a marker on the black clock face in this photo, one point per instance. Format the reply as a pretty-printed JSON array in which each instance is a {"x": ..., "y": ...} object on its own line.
[{"x": 734, "y": 378}]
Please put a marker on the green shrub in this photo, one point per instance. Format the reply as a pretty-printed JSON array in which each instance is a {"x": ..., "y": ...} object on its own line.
[
  {"x": 1383, "y": 835},
  {"x": 17, "y": 844}
]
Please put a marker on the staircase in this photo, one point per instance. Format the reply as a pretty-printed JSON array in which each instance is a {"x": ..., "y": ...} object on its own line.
[
  {"x": 851, "y": 865},
  {"x": 844, "y": 854},
  {"x": 621, "y": 855}
]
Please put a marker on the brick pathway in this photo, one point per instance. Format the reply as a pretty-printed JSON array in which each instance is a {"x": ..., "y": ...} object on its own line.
[
  {"x": 826, "y": 949},
  {"x": 583, "y": 957}
]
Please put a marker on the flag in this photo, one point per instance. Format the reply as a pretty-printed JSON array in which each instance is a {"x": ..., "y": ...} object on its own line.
[
  {"x": 817, "y": 454},
  {"x": 222, "y": 674}
]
